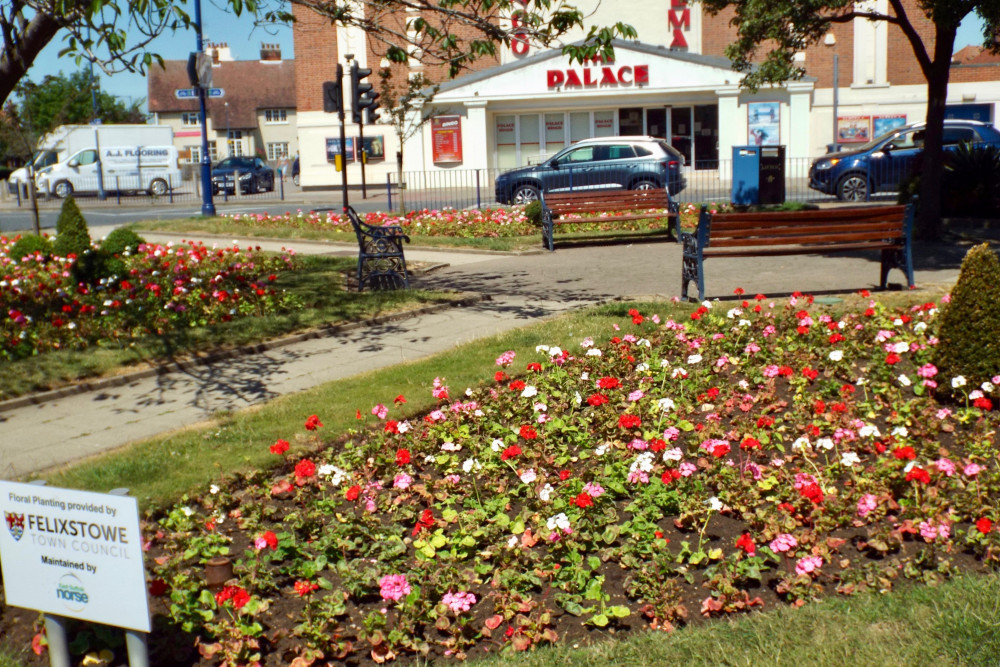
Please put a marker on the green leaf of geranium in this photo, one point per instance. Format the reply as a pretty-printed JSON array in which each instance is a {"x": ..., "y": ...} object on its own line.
[
  {"x": 600, "y": 620},
  {"x": 619, "y": 611}
]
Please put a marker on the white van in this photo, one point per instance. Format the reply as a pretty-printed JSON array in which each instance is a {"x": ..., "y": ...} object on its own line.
[{"x": 151, "y": 169}]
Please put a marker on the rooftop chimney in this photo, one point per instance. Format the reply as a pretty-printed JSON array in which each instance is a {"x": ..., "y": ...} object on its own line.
[{"x": 270, "y": 52}]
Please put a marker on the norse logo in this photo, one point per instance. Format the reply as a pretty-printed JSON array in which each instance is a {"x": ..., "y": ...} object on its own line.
[{"x": 15, "y": 524}]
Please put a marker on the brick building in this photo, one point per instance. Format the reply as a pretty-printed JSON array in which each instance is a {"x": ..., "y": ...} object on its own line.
[
  {"x": 673, "y": 82},
  {"x": 256, "y": 115}
]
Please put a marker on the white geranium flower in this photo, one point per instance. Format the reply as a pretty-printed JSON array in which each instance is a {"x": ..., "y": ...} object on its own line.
[
  {"x": 593, "y": 352},
  {"x": 693, "y": 359},
  {"x": 849, "y": 459},
  {"x": 666, "y": 404},
  {"x": 529, "y": 391},
  {"x": 546, "y": 493},
  {"x": 715, "y": 504},
  {"x": 958, "y": 381},
  {"x": 903, "y": 380},
  {"x": 528, "y": 476},
  {"x": 836, "y": 355}
]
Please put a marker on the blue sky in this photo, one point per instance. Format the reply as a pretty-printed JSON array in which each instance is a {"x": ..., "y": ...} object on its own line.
[
  {"x": 244, "y": 43},
  {"x": 239, "y": 33}
]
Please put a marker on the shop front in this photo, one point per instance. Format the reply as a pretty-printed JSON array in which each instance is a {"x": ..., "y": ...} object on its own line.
[{"x": 522, "y": 113}]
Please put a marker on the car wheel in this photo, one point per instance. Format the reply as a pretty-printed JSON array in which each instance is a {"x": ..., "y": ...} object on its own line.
[
  {"x": 63, "y": 189},
  {"x": 646, "y": 185},
  {"x": 853, "y": 187},
  {"x": 158, "y": 187},
  {"x": 525, "y": 194}
]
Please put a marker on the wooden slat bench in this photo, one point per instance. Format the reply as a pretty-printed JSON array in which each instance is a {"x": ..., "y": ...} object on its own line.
[
  {"x": 563, "y": 208},
  {"x": 381, "y": 263},
  {"x": 884, "y": 228}
]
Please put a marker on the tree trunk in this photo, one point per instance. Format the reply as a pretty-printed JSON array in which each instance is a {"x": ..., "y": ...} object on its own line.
[{"x": 928, "y": 223}]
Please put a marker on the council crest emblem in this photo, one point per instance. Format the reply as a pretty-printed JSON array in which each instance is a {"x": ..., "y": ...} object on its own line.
[{"x": 15, "y": 524}]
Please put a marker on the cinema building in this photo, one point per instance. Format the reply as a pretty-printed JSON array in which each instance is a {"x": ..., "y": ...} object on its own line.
[{"x": 672, "y": 82}]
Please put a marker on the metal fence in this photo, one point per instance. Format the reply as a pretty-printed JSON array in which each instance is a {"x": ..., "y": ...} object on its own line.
[
  {"x": 476, "y": 188},
  {"x": 120, "y": 190}
]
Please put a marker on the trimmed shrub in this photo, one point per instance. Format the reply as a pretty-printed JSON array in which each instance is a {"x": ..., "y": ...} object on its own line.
[
  {"x": 121, "y": 240},
  {"x": 969, "y": 344},
  {"x": 72, "y": 235},
  {"x": 30, "y": 244},
  {"x": 533, "y": 211}
]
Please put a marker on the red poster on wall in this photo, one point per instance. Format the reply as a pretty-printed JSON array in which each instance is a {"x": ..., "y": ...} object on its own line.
[{"x": 446, "y": 136}]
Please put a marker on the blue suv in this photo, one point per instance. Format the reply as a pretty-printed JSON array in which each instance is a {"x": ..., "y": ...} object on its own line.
[
  {"x": 605, "y": 163},
  {"x": 881, "y": 164}
]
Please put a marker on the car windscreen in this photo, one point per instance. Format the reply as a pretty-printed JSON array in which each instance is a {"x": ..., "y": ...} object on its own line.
[{"x": 234, "y": 163}]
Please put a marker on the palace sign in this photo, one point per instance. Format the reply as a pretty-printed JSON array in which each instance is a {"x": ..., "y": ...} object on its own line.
[{"x": 588, "y": 77}]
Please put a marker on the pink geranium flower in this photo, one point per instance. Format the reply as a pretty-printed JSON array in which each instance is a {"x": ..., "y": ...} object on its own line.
[{"x": 394, "y": 587}]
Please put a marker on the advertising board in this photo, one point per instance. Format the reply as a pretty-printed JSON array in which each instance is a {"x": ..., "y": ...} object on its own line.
[{"x": 73, "y": 553}]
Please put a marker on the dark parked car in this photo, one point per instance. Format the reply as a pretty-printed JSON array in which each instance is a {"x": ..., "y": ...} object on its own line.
[
  {"x": 883, "y": 163},
  {"x": 254, "y": 175},
  {"x": 628, "y": 163}
]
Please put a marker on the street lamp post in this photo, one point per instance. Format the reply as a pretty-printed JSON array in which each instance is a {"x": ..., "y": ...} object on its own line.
[
  {"x": 229, "y": 135},
  {"x": 207, "y": 205},
  {"x": 831, "y": 40}
]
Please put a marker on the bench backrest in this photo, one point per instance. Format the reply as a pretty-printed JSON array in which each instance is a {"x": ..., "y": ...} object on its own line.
[
  {"x": 828, "y": 226},
  {"x": 588, "y": 201}
]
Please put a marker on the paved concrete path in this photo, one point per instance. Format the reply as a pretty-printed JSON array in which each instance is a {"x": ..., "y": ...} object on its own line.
[{"x": 521, "y": 288}]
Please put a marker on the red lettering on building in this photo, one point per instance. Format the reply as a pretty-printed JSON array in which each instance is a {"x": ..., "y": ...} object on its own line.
[
  {"x": 625, "y": 75},
  {"x": 519, "y": 44},
  {"x": 679, "y": 19}
]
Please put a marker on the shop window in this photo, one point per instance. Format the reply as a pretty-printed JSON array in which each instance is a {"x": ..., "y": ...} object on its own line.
[
  {"x": 706, "y": 136},
  {"x": 506, "y": 138},
  {"x": 579, "y": 126},
  {"x": 680, "y": 131},
  {"x": 604, "y": 124},
  {"x": 656, "y": 123},
  {"x": 530, "y": 138},
  {"x": 630, "y": 122},
  {"x": 555, "y": 132}
]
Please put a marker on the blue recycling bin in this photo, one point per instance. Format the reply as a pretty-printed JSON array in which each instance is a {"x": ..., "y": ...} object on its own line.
[{"x": 758, "y": 175}]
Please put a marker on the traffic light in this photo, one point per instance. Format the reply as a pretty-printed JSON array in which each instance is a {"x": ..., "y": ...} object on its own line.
[
  {"x": 370, "y": 105},
  {"x": 360, "y": 90},
  {"x": 333, "y": 93}
]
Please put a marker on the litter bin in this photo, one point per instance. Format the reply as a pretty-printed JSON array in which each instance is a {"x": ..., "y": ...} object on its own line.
[{"x": 758, "y": 175}]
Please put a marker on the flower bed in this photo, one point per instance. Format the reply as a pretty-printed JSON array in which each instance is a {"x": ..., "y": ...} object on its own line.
[
  {"x": 161, "y": 289},
  {"x": 467, "y": 223},
  {"x": 768, "y": 454}
]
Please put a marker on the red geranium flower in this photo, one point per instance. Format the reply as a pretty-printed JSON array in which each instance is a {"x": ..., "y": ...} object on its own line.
[
  {"x": 313, "y": 423},
  {"x": 517, "y": 385},
  {"x": 402, "y": 457},
  {"x": 764, "y": 422},
  {"x": 304, "y": 469},
  {"x": 158, "y": 587},
  {"x": 892, "y": 358},
  {"x": 813, "y": 493},
  {"x": 528, "y": 432},
  {"x": 353, "y": 493},
  {"x": 983, "y": 403},
  {"x": 499, "y": 376},
  {"x": 391, "y": 426},
  {"x": 745, "y": 542},
  {"x": 304, "y": 588},
  {"x": 583, "y": 500},
  {"x": 563, "y": 475},
  {"x": 608, "y": 383},
  {"x": 426, "y": 520},
  {"x": 629, "y": 421},
  {"x": 750, "y": 443},
  {"x": 534, "y": 366},
  {"x": 984, "y": 525},
  {"x": 399, "y": 399},
  {"x": 510, "y": 452},
  {"x": 597, "y": 399},
  {"x": 279, "y": 447},
  {"x": 904, "y": 453},
  {"x": 919, "y": 475},
  {"x": 810, "y": 373}
]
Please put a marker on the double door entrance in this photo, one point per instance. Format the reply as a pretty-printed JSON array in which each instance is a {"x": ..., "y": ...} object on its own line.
[{"x": 692, "y": 130}]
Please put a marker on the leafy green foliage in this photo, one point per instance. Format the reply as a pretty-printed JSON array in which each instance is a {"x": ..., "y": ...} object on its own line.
[
  {"x": 30, "y": 244},
  {"x": 969, "y": 345},
  {"x": 72, "y": 235},
  {"x": 533, "y": 211},
  {"x": 121, "y": 240}
]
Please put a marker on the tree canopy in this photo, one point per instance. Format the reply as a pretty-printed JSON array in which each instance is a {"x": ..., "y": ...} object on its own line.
[
  {"x": 771, "y": 32},
  {"x": 58, "y": 100},
  {"x": 117, "y": 35}
]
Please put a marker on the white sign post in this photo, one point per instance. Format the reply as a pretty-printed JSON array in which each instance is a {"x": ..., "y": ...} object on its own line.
[{"x": 75, "y": 554}]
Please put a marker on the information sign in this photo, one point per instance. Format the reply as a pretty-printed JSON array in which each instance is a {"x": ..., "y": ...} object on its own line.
[{"x": 73, "y": 553}]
